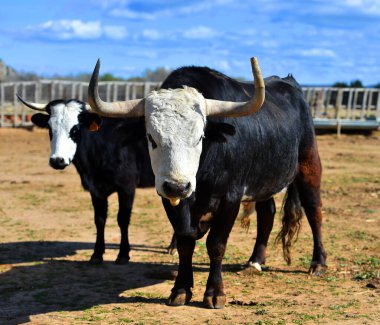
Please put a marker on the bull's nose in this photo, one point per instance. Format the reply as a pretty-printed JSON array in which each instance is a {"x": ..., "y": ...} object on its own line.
[
  {"x": 57, "y": 163},
  {"x": 176, "y": 189}
]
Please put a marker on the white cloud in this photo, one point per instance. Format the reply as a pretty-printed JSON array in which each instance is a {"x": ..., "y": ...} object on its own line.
[
  {"x": 152, "y": 34},
  {"x": 200, "y": 32},
  {"x": 120, "y": 9},
  {"x": 367, "y": 6},
  {"x": 130, "y": 14},
  {"x": 76, "y": 29},
  {"x": 318, "y": 52},
  {"x": 115, "y": 32}
]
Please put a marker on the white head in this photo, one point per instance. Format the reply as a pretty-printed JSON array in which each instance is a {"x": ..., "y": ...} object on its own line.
[
  {"x": 64, "y": 120},
  {"x": 175, "y": 121}
]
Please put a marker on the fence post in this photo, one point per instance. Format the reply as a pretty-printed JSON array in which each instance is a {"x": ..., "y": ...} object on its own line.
[{"x": 2, "y": 94}]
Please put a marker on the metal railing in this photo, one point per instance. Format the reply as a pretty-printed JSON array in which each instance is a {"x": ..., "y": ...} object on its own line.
[
  {"x": 355, "y": 108},
  {"x": 349, "y": 108},
  {"x": 14, "y": 114}
]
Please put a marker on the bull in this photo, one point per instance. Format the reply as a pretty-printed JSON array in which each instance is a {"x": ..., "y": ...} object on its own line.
[
  {"x": 105, "y": 162},
  {"x": 214, "y": 142}
]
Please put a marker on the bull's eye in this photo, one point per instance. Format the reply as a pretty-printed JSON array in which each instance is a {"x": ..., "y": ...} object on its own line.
[
  {"x": 74, "y": 131},
  {"x": 152, "y": 142}
]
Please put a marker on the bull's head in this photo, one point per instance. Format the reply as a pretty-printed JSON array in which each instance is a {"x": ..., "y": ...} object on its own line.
[
  {"x": 64, "y": 119},
  {"x": 175, "y": 122}
]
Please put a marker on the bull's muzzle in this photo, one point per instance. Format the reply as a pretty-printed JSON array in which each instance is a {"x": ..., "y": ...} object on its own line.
[{"x": 176, "y": 190}]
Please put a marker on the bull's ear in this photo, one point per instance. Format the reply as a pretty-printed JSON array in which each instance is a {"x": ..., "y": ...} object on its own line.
[
  {"x": 91, "y": 121},
  {"x": 217, "y": 131},
  {"x": 131, "y": 131},
  {"x": 41, "y": 120}
]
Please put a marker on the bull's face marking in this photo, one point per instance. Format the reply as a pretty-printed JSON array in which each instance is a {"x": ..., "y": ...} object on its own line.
[
  {"x": 175, "y": 123},
  {"x": 64, "y": 129}
]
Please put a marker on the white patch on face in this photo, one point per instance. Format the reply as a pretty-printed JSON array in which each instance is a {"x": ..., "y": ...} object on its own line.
[
  {"x": 175, "y": 119},
  {"x": 62, "y": 119}
]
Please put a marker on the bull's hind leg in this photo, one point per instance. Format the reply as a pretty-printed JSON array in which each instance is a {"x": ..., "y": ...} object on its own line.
[
  {"x": 123, "y": 219},
  {"x": 100, "y": 217},
  {"x": 308, "y": 185},
  {"x": 266, "y": 211}
]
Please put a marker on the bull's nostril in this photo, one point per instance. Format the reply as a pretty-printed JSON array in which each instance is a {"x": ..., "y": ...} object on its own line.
[
  {"x": 57, "y": 163},
  {"x": 176, "y": 189}
]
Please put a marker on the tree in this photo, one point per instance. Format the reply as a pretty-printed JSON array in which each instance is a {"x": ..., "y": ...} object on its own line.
[
  {"x": 157, "y": 75},
  {"x": 356, "y": 84},
  {"x": 340, "y": 84}
]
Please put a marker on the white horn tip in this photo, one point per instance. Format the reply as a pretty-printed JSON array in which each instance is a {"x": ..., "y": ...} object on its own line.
[{"x": 174, "y": 202}]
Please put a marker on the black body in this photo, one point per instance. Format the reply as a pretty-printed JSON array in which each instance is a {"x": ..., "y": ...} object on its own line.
[
  {"x": 270, "y": 150},
  {"x": 109, "y": 160}
]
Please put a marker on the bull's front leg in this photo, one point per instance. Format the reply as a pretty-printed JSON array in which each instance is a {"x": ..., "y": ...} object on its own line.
[
  {"x": 214, "y": 296},
  {"x": 181, "y": 292}
]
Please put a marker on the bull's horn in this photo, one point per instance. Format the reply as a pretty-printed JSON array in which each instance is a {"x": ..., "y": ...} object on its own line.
[
  {"x": 130, "y": 108},
  {"x": 35, "y": 106},
  {"x": 236, "y": 109}
]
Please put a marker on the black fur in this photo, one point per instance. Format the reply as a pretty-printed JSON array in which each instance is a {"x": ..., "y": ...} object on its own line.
[
  {"x": 107, "y": 163},
  {"x": 259, "y": 160}
]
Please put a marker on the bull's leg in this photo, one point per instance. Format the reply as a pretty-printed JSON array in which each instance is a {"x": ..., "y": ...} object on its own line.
[
  {"x": 123, "y": 219},
  {"x": 308, "y": 184},
  {"x": 266, "y": 211},
  {"x": 100, "y": 217},
  {"x": 181, "y": 292},
  {"x": 224, "y": 219}
]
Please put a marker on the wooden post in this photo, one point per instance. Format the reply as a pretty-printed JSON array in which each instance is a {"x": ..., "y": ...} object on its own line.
[{"x": 2, "y": 94}]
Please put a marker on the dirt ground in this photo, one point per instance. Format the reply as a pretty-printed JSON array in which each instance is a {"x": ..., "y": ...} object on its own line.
[{"x": 47, "y": 235}]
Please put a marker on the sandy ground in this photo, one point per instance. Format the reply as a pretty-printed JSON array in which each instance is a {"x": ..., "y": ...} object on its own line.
[{"x": 47, "y": 235}]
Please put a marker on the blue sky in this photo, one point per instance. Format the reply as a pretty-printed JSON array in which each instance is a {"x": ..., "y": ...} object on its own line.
[{"x": 319, "y": 41}]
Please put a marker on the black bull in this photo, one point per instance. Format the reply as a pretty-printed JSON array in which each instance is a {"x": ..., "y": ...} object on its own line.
[{"x": 270, "y": 150}]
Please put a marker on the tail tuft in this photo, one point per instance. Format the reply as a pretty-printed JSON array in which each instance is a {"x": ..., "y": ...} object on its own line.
[{"x": 291, "y": 221}]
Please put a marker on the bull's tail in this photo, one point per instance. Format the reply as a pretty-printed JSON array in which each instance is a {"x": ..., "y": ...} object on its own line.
[{"x": 291, "y": 221}]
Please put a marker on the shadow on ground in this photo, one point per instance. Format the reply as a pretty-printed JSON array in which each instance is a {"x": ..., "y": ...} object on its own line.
[{"x": 47, "y": 284}]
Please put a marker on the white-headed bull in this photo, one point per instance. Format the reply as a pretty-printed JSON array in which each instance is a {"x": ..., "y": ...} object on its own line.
[{"x": 215, "y": 142}]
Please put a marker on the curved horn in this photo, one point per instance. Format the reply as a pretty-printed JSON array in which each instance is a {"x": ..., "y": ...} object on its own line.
[
  {"x": 236, "y": 109},
  {"x": 130, "y": 108},
  {"x": 35, "y": 106}
]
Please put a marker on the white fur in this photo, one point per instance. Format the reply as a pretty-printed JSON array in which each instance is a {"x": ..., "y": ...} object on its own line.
[
  {"x": 62, "y": 119},
  {"x": 175, "y": 119},
  {"x": 255, "y": 265}
]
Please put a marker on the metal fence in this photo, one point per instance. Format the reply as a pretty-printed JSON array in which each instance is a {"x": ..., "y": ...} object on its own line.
[
  {"x": 352, "y": 108},
  {"x": 14, "y": 114},
  {"x": 348, "y": 108}
]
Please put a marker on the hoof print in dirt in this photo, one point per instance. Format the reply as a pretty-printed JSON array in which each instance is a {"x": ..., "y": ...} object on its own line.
[{"x": 214, "y": 302}]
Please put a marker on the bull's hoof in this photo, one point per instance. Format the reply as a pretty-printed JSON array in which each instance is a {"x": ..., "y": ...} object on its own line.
[
  {"x": 214, "y": 302},
  {"x": 94, "y": 260},
  {"x": 122, "y": 260},
  {"x": 317, "y": 269},
  {"x": 172, "y": 250},
  {"x": 179, "y": 297},
  {"x": 255, "y": 266}
]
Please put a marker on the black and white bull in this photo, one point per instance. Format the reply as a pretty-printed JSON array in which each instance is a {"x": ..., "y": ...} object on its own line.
[
  {"x": 215, "y": 142},
  {"x": 106, "y": 162}
]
